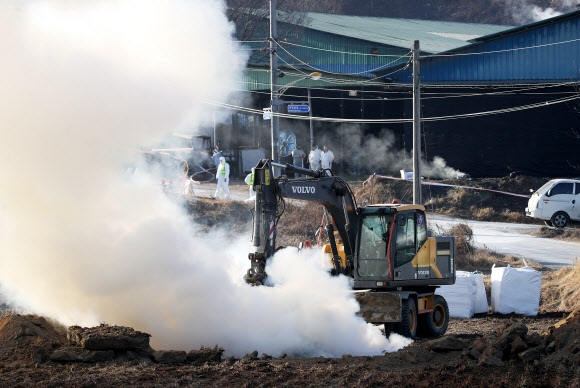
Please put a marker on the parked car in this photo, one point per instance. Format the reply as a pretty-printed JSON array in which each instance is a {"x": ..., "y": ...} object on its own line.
[{"x": 557, "y": 202}]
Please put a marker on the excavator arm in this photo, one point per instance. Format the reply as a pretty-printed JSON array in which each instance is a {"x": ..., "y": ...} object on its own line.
[{"x": 330, "y": 191}]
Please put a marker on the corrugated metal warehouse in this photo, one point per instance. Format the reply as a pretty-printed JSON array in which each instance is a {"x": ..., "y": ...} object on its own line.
[{"x": 494, "y": 99}]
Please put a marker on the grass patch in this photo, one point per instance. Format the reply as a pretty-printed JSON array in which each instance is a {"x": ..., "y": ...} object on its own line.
[
  {"x": 560, "y": 291},
  {"x": 557, "y": 233}
]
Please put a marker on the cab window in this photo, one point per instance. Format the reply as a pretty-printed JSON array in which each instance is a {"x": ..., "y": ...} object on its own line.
[
  {"x": 372, "y": 258},
  {"x": 405, "y": 249},
  {"x": 561, "y": 188},
  {"x": 421, "y": 222},
  {"x": 411, "y": 235}
]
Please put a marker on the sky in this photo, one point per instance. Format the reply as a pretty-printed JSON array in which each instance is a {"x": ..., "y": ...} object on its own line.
[{"x": 85, "y": 85}]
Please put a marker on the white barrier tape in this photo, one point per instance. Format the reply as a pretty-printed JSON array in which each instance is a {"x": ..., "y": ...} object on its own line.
[{"x": 447, "y": 185}]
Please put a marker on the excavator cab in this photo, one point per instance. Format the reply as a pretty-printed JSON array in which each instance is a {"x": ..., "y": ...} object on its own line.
[{"x": 393, "y": 249}]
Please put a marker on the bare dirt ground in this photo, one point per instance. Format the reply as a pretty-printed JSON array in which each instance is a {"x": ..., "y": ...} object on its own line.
[{"x": 489, "y": 349}]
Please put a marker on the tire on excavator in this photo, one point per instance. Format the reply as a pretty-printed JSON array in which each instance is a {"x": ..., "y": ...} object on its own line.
[
  {"x": 434, "y": 323},
  {"x": 408, "y": 325}
]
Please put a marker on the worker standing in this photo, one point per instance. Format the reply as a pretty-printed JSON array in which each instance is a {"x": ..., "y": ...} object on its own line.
[
  {"x": 250, "y": 181},
  {"x": 326, "y": 159},
  {"x": 314, "y": 158},
  {"x": 298, "y": 158},
  {"x": 223, "y": 176}
]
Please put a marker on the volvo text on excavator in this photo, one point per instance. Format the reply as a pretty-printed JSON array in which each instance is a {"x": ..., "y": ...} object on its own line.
[{"x": 386, "y": 249}]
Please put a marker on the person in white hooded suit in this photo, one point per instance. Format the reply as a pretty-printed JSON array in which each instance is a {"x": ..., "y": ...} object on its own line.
[
  {"x": 223, "y": 179},
  {"x": 250, "y": 182}
]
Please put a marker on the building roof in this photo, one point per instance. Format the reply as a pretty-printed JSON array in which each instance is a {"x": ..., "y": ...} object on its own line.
[{"x": 435, "y": 36}]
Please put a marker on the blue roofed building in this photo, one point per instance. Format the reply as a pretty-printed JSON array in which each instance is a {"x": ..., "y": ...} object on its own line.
[{"x": 494, "y": 99}]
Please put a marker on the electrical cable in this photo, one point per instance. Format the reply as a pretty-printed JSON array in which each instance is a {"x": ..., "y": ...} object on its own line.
[
  {"x": 425, "y": 95},
  {"x": 326, "y": 71},
  {"x": 397, "y": 121},
  {"x": 522, "y": 86},
  {"x": 342, "y": 52},
  {"x": 502, "y": 51},
  {"x": 507, "y": 110},
  {"x": 443, "y": 54}
]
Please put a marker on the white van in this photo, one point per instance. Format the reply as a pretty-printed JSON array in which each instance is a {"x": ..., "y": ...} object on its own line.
[{"x": 557, "y": 202}]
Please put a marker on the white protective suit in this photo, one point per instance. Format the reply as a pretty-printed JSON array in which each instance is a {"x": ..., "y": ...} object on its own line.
[
  {"x": 223, "y": 179},
  {"x": 314, "y": 158},
  {"x": 326, "y": 159},
  {"x": 298, "y": 158},
  {"x": 249, "y": 181}
]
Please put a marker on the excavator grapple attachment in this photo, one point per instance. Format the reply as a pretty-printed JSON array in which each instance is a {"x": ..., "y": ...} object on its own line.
[{"x": 257, "y": 272}]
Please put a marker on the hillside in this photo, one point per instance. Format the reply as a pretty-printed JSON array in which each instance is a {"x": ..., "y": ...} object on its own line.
[{"x": 504, "y": 12}]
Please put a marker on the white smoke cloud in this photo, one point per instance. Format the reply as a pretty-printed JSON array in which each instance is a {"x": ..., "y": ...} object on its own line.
[
  {"x": 379, "y": 153},
  {"x": 540, "y": 14},
  {"x": 525, "y": 11},
  {"x": 87, "y": 83}
]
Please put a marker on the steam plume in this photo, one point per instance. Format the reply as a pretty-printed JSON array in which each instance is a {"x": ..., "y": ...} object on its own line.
[
  {"x": 380, "y": 153},
  {"x": 84, "y": 85},
  {"x": 524, "y": 11}
]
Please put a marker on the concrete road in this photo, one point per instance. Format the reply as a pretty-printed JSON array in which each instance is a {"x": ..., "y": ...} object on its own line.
[
  {"x": 239, "y": 191},
  {"x": 515, "y": 240},
  {"x": 503, "y": 238}
]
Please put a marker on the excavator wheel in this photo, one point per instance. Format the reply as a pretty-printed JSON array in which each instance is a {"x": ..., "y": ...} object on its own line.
[
  {"x": 408, "y": 325},
  {"x": 434, "y": 324}
]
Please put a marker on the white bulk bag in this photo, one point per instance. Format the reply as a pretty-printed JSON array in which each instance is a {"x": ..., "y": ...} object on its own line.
[
  {"x": 481, "y": 305},
  {"x": 460, "y": 296},
  {"x": 515, "y": 290}
]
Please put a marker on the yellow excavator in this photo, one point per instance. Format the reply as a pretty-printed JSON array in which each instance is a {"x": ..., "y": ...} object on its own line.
[{"x": 386, "y": 249}]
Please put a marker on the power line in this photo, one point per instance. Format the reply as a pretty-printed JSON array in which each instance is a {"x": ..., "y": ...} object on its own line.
[
  {"x": 366, "y": 82},
  {"x": 431, "y": 55},
  {"x": 502, "y": 51},
  {"x": 344, "y": 52},
  {"x": 399, "y": 121},
  {"x": 425, "y": 95},
  {"x": 507, "y": 110},
  {"x": 326, "y": 71}
]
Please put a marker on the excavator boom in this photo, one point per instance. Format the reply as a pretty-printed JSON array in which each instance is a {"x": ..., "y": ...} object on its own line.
[{"x": 330, "y": 191}]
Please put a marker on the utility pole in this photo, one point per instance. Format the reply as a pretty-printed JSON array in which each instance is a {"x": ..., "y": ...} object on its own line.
[
  {"x": 275, "y": 101},
  {"x": 310, "y": 119},
  {"x": 416, "y": 125}
]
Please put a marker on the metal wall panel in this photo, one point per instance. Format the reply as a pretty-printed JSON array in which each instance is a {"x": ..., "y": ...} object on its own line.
[
  {"x": 335, "y": 53},
  {"x": 546, "y": 53}
]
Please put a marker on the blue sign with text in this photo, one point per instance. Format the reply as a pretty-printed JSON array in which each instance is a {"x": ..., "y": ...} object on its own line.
[{"x": 298, "y": 108}]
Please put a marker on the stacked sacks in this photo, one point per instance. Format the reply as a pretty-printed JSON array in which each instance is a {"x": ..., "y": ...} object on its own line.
[{"x": 467, "y": 296}]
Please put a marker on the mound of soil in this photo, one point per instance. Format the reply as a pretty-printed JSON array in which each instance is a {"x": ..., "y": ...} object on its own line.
[{"x": 485, "y": 350}]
